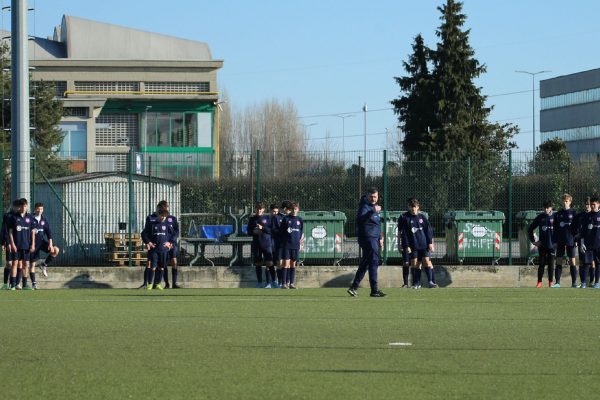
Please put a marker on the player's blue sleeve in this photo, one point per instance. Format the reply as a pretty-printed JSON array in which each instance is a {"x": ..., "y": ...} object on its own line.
[
  {"x": 365, "y": 213},
  {"x": 251, "y": 226},
  {"x": 428, "y": 231},
  {"x": 147, "y": 232},
  {"x": 48, "y": 231},
  {"x": 402, "y": 231}
]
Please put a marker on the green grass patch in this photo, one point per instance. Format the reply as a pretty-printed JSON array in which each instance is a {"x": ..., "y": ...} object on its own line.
[{"x": 305, "y": 344}]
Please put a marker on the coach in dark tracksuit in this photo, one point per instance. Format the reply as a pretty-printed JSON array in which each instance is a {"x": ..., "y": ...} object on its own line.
[
  {"x": 546, "y": 243},
  {"x": 368, "y": 225}
]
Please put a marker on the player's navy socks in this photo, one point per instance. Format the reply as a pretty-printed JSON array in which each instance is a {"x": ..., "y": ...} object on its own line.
[
  {"x": 19, "y": 275},
  {"x": 418, "y": 275},
  {"x": 597, "y": 275},
  {"x": 405, "y": 270},
  {"x": 174, "y": 273},
  {"x": 292, "y": 275},
  {"x": 49, "y": 259},
  {"x": 6, "y": 275},
  {"x": 165, "y": 275},
  {"x": 158, "y": 277},
  {"x": 573, "y": 270},
  {"x": 280, "y": 276},
  {"x": 150, "y": 276},
  {"x": 13, "y": 281},
  {"x": 258, "y": 274},
  {"x": 429, "y": 274},
  {"x": 592, "y": 273},
  {"x": 32, "y": 277},
  {"x": 284, "y": 275},
  {"x": 267, "y": 277},
  {"x": 583, "y": 271},
  {"x": 24, "y": 281},
  {"x": 558, "y": 273},
  {"x": 540, "y": 272},
  {"x": 272, "y": 273},
  {"x": 146, "y": 270}
]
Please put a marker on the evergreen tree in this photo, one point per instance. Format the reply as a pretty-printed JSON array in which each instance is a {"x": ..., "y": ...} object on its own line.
[
  {"x": 415, "y": 109},
  {"x": 462, "y": 127}
]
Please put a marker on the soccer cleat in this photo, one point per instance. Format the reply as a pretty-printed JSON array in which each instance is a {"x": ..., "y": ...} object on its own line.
[
  {"x": 44, "y": 268},
  {"x": 34, "y": 286},
  {"x": 13, "y": 288},
  {"x": 268, "y": 286},
  {"x": 539, "y": 285},
  {"x": 158, "y": 287},
  {"x": 597, "y": 286},
  {"x": 5, "y": 287},
  {"x": 27, "y": 287},
  {"x": 352, "y": 292},
  {"x": 549, "y": 283},
  {"x": 149, "y": 287},
  {"x": 275, "y": 285},
  {"x": 574, "y": 285},
  {"x": 433, "y": 285},
  {"x": 167, "y": 286},
  {"x": 292, "y": 286},
  {"x": 583, "y": 286},
  {"x": 176, "y": 286},
  {"x": 405, "y": 286},
  {"x": 416, "y": 287},
  {"x": 259, "y": 285},
  {"x": 377, "y": 293},
  {"x": 556, "y": 285},
  {"x": 19, "y": 287}
]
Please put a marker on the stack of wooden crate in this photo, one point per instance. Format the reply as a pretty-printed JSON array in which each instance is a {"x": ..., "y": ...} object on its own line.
[{"x": 117, "y": 249}]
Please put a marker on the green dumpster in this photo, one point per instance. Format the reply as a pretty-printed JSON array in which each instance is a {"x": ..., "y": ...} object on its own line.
[
  {"x": 391, "y": 233},
  {"x": 526, "y": 250},
  {"x": 474, "y": 235},
  {"x": 323, "y": 236}
]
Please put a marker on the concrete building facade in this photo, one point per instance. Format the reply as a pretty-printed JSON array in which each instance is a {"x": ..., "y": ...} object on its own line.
[
  {"x": 125, "y": 89},
  {"x": 570, "y": 110}
]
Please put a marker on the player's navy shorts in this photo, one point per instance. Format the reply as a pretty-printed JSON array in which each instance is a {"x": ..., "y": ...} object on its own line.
[
  {"x": 420, "y": 254},
  {"x": 289, "y": 254},
  {"x": 261, "y": 254},
  {"x": 592, "y": 255},
  {"x": 10, "y": 255},
  {"x": 158, "y": 259},
  {"x": 23, "y": 255},
  {"x": 42, "y": 245},
  {"x": 173, "y": 252},
  {"x": 405, "y": 256},
  {"x": 561, "y": 249}
]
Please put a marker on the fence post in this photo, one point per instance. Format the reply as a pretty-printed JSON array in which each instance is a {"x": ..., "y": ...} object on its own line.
[
  {"x": 130, "y": 206},
  {"x": 360, "y": 192},
  {"x": 150, "y": 208},
  {"x": 385, "y": 206},
  {"x": 469, "y": 184},
  {"x": 32, "y": 189},
  {"x": 2, "y": 190},
  {"x": 510, "y": 207},
  {"x": 258, "y": 176}
]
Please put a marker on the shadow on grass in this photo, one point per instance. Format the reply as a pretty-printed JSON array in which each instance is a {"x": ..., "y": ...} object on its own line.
[{"x": 85, "y": 281}]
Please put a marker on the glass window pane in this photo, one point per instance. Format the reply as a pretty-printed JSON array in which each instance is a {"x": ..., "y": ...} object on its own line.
[
  {"x": 191, "y": 129},
  {"x": 177, "y": 130},
  {"x": 163, "y": 126},
  {"x": 204, "y": 129},
  {"x": 151, "y": 130},
  {"x": 74, "y": 145}
]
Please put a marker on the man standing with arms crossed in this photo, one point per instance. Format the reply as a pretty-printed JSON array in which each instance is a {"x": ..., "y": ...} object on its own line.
[{"x": 368, "y": 225}]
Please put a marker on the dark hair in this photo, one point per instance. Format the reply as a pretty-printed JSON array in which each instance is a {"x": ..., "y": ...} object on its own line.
[
  {"x": 412, "y": 202},
  {"x": 163, "y": 212},
  {"x": 260, "y": 206},
  {"x": 16, "y": 203},
  {"x": 588, "y": 200},
  {"x": 595, "y": 199},
  {"x": 294, "y": 204},
  {"x": 22, "y": 202},
  {"x": 547, "y": 203},
  {"x": 163, "y": 204},
  {"x": 38, "y": 205},
  {"x": 273, "y": 206},
  {"x": 372, "y": 190},
  {"x": 286, "y": 204}
]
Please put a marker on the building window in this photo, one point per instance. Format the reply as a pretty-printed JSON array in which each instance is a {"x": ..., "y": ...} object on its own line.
[
  {"x": 117, "y": 130},
  {"x": 74, "y": 145},
  {"x": 97, "y": 86},
  {"x": 570, "y": 99},
  {"x": 568, "y": 135},
  {"x": 176, "y": 129},
  {"x": 177, "y": 87}
]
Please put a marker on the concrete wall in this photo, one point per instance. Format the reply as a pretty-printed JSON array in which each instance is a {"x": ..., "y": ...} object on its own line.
[{"x": 307, "y": 277}]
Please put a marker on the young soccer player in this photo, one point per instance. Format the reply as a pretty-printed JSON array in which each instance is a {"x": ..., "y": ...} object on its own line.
[
  {"x": 150, "y": 220},
  {"x": 546, "y": 244},
  {"x": 590, "y": 242},
  {"x": 259, "y": 226},
  {"x": 565, "y": 241},
  {"x": 278, "y": 235},
  {"x": 292, "y": 227},
  {"x": 43, "y": 240},
  {"x": 578, "y": 226},
  {"x": 276, "y": 218},
  {"x": 158, "y": 238},
  {"x": 22, "y": 241},
  {"x": 172, "y": 220},
  {"x": 417, "y": 236},
  {"x": 10, "y": 255}
]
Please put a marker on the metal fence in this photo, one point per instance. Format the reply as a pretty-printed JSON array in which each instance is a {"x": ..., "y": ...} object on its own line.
[{"x": 96, "y": 216}]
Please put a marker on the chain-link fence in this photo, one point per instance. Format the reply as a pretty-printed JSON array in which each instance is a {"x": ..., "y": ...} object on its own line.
[{"x": 474, "y": 205}]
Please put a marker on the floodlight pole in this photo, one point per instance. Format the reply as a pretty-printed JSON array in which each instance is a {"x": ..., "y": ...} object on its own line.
[{"x": 533, "y": 74}]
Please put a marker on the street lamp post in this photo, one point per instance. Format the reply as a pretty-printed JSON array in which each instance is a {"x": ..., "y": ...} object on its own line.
[
  {"x": 145, "y": 137},
  {"x": 533, "y": 74},
  {"x": 343, "y": 117},
  {"x": 306, "y": 126},
  {"x": 365, "y": 109}
]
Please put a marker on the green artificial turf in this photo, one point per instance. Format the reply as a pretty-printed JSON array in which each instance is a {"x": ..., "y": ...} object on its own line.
[{"x": 309, "y": 344}]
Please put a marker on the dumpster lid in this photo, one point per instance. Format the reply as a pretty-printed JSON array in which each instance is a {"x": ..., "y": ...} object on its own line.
[
  {"x": 322, "y": 216},
  {"x": 475, "y": 215},
  {"x": 394, "y": 215}
]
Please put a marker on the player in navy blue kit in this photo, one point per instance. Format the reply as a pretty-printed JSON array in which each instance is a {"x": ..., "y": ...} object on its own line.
[
  {"x": 416, "y": 235},
  {"x": 159, "y": 238},
  {"x": 370, "y": 240},
  {"x": 564, "y": 220},
  {"x": 10, "y": 255},
  {"x": 292, "y": 227},
  {"x": 590, "y": 242},
  {"x": 546, "y": 244},
  {"x": 276, "y": 218},
  {"x": 578, "y": 226},
  {"x": 43, "y": 240},
  {"x": 22, "y": 240},
  {"x": 172, "y": 256},
  {"x": 259, "y": 226}
]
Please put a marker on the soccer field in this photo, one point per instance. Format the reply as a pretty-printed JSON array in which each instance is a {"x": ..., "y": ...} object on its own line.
[{"x": 304, "y": 344}]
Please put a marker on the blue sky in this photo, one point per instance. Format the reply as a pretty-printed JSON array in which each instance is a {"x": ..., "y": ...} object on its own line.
[{"x": 331, "y": 57}]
